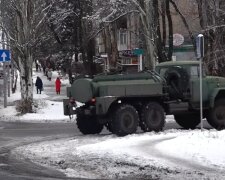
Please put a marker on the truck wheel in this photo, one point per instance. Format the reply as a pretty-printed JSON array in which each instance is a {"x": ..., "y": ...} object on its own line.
[
  {"x": 125, "y": 120},
  {"x": 88, "y": 124},
  {"x": 187, "y": 121},
  {"x": 109, "y": 127},
  {"x": 152, "y": 117},
  {"x": 216, "y": 116}
]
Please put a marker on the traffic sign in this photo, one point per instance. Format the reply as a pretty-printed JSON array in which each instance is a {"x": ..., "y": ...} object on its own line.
[
  {"x": 138, "y": 51},
  {"x": 4, "y": 55}
]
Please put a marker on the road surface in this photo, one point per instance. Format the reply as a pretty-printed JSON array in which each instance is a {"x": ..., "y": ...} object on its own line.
[
  {"x": 16, "y": 134},
  {"x": 13, "y": 135}
]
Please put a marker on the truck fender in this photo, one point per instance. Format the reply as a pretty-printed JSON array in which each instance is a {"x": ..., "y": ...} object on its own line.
[
  {"x": 216, "y": 94},
  {"x": 103, "y": 104}
]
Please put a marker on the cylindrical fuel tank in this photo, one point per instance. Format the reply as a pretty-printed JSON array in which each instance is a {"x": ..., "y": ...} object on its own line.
[
  {"x": 120, "y": 85},
  {"x": 82, "y": 90}
]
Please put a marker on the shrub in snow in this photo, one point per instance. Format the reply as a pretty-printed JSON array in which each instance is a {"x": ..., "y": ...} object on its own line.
[{"x": 24, "y": 106}]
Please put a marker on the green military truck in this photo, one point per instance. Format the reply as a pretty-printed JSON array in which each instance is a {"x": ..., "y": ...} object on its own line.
[{"x": 122, "y": 102}]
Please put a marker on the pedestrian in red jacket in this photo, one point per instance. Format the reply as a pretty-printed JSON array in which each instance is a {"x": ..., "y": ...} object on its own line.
[{"x": 57, "y": 85}]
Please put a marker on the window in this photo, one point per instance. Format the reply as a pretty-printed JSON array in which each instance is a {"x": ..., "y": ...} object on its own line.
[{"x": 123, "y": 37}]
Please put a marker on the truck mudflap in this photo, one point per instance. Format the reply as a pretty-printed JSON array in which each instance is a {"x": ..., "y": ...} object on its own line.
[
  {"x": 69, "y": 107},
  {"x": 65, "y": 106}
]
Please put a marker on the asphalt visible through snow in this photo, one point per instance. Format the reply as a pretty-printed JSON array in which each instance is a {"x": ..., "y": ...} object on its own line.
[
  {"x": 13, "y": 135},
  {"x": 16, "y": 134},
  {"x": 14, "y": 166}
]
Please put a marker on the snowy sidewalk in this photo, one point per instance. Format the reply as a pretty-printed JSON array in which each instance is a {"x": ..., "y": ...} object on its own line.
[{"x": 48, "y": 105}]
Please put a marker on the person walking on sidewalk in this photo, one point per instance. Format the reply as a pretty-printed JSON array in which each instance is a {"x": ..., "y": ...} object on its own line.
[
  {"x": 39, "y": 84},
  {"x": 49, "y": 75},
  {"x": 57, "y": 85}
]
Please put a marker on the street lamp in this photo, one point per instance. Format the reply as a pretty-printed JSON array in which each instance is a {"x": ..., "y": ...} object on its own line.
[{"x": 200, "y": 55}]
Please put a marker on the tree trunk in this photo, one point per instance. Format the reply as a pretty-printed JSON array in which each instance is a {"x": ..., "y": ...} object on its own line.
[
  {"x": 111, "y": 45},
  {"x": 108, "y": 45},
  {"x": 147, "y": 23},
  {"x": 163, "y": 14},
  {"x": 25, "y": 56},
  {"x": 114, "y": 47},
  {"x": 26, "y": 81},
  {"x": 170, "y": 26},
  {"x": 160, "y": 45}
]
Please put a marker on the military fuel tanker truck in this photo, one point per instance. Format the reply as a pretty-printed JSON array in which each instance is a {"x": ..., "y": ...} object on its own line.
[{"x": 122, "y": 102}]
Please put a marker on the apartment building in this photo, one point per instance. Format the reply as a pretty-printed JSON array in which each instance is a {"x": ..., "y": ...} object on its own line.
[{"x": 128, "y": 35}]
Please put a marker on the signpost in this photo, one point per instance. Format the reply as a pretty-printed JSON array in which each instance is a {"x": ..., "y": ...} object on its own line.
[
  {"x": 5, "y": 57},
  {"x": 200, "y": 55}
]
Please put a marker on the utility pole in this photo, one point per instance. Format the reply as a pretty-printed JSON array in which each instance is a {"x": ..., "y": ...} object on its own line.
[
  {"x": 8, "y": 69},
  {"x": 8, "y": 78},
  {"x": 4, "y": 63},
  {"x": 4, "y": 73}
]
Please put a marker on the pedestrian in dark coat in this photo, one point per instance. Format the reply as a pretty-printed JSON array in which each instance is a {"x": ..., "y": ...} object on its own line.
[
  {"x": 57, "y": 85},
  {"x": 37, "y": 67},
  {"x": 39, "y": 84}
]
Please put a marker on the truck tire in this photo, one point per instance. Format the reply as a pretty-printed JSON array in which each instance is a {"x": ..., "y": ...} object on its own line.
[
  {"x": 152, "y": 117},
  {"x": 109, "y": 127},
  {"x": 88, "y": 124},
  {"x": 177, "y": 79},
  {"x": 187, "y": 121},
  {"x": 216, "y": 116},
  {"x": 125, "y": 120}
]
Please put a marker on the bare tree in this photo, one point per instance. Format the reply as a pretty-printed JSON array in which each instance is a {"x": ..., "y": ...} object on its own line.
[
  {"x": 23, "y": 23},
  {"x": 212, "y": 20}
]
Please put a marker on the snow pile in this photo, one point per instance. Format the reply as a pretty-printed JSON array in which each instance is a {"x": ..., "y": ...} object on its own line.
[
  {"x": 113, "y": 155},
  {"x": 205, "y": 147}
]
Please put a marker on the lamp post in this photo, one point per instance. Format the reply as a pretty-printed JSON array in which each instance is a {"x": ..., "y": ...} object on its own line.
[{"x": 200, "y": 55}]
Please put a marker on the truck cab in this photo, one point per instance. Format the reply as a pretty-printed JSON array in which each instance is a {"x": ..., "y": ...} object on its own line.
[{"x": 183, "y": 80}]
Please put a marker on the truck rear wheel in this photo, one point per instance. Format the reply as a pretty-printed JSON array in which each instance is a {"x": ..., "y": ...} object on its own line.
[
  {"x": 125, "y": 120},
  {"x": 88, "y": 124},
  {"x": 152, "y": 117},
  {"x": 216, "y": 116},
  {"x": 187, "y": 121},
  {"x": 109, "y": 127}
]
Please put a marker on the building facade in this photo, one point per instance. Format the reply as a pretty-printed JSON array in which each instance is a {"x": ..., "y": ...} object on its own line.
[{"x": 128, "y": 35}]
